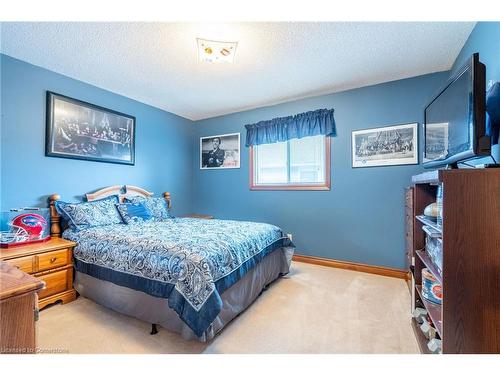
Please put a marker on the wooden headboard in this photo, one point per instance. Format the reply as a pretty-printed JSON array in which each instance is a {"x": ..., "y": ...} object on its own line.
[{"x": 123, "y": 192}]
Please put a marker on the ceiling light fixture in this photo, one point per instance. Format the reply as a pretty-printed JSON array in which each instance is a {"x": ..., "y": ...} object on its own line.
[{"x": 215, "y": 51}]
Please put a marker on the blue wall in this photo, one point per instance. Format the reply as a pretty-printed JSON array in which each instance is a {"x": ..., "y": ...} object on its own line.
[
  {"x": 485, "y": 39},
  {"x": 164, "y": 156},
  {"x": 362, "y": 218}
]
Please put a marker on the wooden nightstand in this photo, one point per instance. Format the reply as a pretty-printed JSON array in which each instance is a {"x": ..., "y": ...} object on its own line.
[
  {"x": 49, "y": 261},
  {"x": 199, "y": 216}
]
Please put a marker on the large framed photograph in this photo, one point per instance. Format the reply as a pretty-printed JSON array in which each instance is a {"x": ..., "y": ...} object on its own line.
[
  {"x": 80, "y": 130},
  {"x": 390, "y": 145},
  {"x": 220, "y": 151}
]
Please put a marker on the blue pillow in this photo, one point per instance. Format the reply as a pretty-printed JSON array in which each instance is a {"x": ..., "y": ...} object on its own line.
[
  {"x": 157, "y": 206},
  {"x": 90, "y": 214},
  {"x": 134, "y": 212}
]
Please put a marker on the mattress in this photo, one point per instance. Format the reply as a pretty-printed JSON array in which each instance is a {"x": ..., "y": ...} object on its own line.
[{"x": 187, "y": 262}]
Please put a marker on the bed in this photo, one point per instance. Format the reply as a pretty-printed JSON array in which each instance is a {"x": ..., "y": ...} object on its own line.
[{"x": 191, "y": 276}]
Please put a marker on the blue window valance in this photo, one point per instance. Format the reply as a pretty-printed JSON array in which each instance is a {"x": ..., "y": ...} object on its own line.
[{"x": 319, "y": 122}]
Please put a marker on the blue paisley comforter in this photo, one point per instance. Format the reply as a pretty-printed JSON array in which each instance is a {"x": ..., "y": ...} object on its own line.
[{"x": 189, "y": 261}]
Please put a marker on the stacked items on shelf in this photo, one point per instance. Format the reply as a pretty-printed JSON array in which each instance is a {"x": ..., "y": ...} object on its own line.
[
  {"x": 431, "y": 289},
  {"x": 428, "y": 330},
  {"x": 432, "y": 220},
  {"x": 434, "y": 248}
]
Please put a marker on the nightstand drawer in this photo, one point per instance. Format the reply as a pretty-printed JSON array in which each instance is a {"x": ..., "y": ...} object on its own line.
[
  {"x": 55, "y": 282},
  {"x": 24, "y": 264},
  {"x": 52, "y": 259}
]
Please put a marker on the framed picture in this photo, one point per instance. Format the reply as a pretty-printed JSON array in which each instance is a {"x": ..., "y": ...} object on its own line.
[
  {"x": 220, "y": 151},
  {"x": 80, "y": 130},
  {"x": 390, "y": 145}
]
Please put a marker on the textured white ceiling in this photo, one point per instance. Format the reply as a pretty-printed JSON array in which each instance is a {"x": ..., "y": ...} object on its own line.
[{"x": 156, "y": 63}]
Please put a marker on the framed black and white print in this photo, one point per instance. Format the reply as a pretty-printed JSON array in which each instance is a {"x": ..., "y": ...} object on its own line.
[
  {"x": 220, "y": 151},
  {"x": 80, "y": 130},
  {"x": 390, "y": 145}
]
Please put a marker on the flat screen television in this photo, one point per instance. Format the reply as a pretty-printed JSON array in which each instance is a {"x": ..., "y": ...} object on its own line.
[{"x": 454, "y": 125}]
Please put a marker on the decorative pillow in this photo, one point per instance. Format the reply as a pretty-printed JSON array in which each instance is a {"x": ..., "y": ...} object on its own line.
[
  {"x": 157, "y": 206},
  {"x": 90, "y": 214},
  {"x": 134, "y": 212}
]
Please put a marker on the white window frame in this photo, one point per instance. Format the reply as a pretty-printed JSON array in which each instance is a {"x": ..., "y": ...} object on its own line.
[{"x": 293, "y": 185}]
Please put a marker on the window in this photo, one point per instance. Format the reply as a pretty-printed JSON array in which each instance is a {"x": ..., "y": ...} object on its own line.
[{"x": 297, "y": 164}]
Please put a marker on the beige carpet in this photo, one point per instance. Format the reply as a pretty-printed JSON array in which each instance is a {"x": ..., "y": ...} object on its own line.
[{"x": 314, "y": 309}]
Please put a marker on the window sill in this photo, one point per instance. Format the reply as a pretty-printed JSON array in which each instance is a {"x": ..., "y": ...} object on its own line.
[{"x": 291, "y": 187}]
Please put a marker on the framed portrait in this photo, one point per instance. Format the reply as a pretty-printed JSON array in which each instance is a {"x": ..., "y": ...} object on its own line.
[
  {"x": 390, "y": 145},
  {"x": 220, "y": 151},
  {"x": 80, "y": 130}
]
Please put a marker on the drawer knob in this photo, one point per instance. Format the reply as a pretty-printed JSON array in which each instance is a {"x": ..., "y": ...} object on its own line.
[{"x": 52, "y": 260}]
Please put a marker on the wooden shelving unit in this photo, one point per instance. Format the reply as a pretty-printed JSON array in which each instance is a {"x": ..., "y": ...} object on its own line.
[{"x": 468, "y": 321}]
